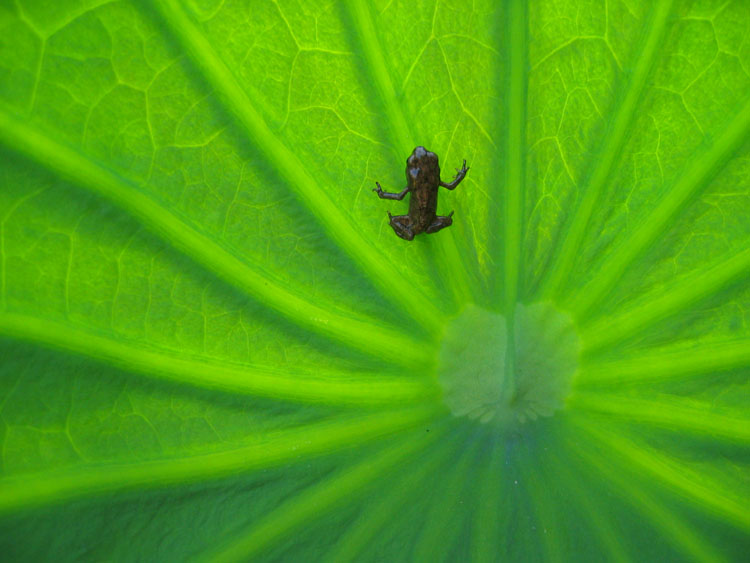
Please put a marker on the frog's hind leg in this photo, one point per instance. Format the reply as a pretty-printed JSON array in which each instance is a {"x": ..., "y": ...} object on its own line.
[
  {"x": 402, "y": 225},
  {"x": 440, "y": 222}
]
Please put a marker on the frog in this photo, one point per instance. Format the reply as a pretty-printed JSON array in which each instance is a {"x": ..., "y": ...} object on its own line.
[{"x": 423, "y": 181}]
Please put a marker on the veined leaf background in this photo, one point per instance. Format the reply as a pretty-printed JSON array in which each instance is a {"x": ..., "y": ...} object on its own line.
[{"x": 213, "y": 345}]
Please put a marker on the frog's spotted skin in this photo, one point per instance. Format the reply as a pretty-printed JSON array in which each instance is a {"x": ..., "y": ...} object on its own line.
[{"x": 422, "y": 180}]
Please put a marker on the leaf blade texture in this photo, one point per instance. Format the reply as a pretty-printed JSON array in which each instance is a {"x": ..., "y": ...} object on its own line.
[{"x": 213, "y": 346}]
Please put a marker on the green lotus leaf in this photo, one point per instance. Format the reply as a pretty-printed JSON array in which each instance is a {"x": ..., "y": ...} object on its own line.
[{"x": 214, "y": 346}]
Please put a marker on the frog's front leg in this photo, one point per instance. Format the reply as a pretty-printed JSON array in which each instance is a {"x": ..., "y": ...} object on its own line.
[
  {"x": 440, "y": 222},
  {"x": 460, "y": 175},
  {"x": 402, "y": 225},
  {"x": 390, "y": 195}
]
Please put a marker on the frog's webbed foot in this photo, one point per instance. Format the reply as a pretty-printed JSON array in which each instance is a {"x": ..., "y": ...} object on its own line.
[
  {"x": 390, "y": 195},
  {"x": 440, "y": 222},
  {"x": 460, "y": 175},
  {"x": 402, "y": 226}
]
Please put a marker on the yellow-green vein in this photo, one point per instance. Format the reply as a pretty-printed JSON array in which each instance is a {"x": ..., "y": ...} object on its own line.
[
  {"x": 268, "y": 450},
  {"x": 675, "y": 528},
  {"x": 451, "y": 261},
  {"x": 446, "y": 516},
  {"x": 670, "y": 412},
  {"x": 665, "y": 302},
  {"x": 695, "y": 176},
  {"x": 402, "y": 136},
  {"x": 239, "y": 101},
  {"x": 547, "y": 522},
  {"x": 708, "y": 493},
  {"x": 516, "y": 31},
  {"x": 677, "y": 361},
  {"x": 609, "y": 155},
  {"x": 591, "y": 506},
  {"x": 296, "y": 384},
  {"x": 319, "y": 499},
  {"x": 354, "y": 540},
  {"x": 489, "y": 516},
  {"x": 359, "y": 333}
]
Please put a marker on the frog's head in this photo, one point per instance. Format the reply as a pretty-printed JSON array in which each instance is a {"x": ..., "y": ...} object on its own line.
[
  {"x": 422, "y": 159},
  {"x": 422, "y": 163}
]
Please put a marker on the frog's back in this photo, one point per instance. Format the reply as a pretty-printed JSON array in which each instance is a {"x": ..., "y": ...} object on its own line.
[
  {"x": 423, "y": 175},
  {"x": 423, "y": 204}
]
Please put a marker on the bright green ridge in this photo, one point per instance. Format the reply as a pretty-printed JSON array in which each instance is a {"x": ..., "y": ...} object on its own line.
[
  {"x": 322, "y": 497},
  {"x": 673, "y": 527},
  {"x": 403, "y": 139},
  {"x": 441, "y": 527},
  {"x": 700, "y": 489},
  {"x": 274, "y": 449},
  {"x": 547, "y": 521},
  {"x": 343, "y": 388},
  {"x": 666, "y": 301},
  {"x": 696, "y": 176},
  {"x": 24, "y": 138},
  {"x": 408, "y": 480},
  {"x": 291, "y": 168},
  {"x": 488, "y": 515},
  {"x": 594, "y": 511},
  {"x": 699, "y": 358},
  {"x": 559, "y": 270},
  {"x": 667, "y": 412},
  {"x": 514, "y": 178}
]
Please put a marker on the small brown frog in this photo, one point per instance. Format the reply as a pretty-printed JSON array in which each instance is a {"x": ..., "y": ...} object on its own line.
[{"x": 423, "y": 180}]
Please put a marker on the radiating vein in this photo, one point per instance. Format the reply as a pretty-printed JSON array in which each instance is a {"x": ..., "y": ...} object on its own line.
[
  {"x": 695, "y": 176},
  {"x": 591, "y": 507},
  {"x": 673, "y": 413},
  {"x": 288, "y": 165},
  {"x": 514, "y": 184},
  {"x": 610, "y": 152},
  {"x": 538, "y": 491},
  {"x": 359, "y": 333},
  {"x": 403, "y": 137},
  {"x": 699, "y": 489},
  {"x": 446, "y": 515},
  {"x": 267, "y": 450},
  {"x": 665, "y": 302},
  {"x": 354, "y": 539},
  {"x": 702, "y": 358},
  {"x": 319, "y": 386},
  {"x": 662, "y": 519},
  {"x": 317, "y": 500},
  {"x": 492, "y": 511},
  {"x": 451, "y": 261}
]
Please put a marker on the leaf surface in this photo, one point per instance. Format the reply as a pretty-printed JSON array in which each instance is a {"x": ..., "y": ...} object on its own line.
[{"x": 212, "y": 344}]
